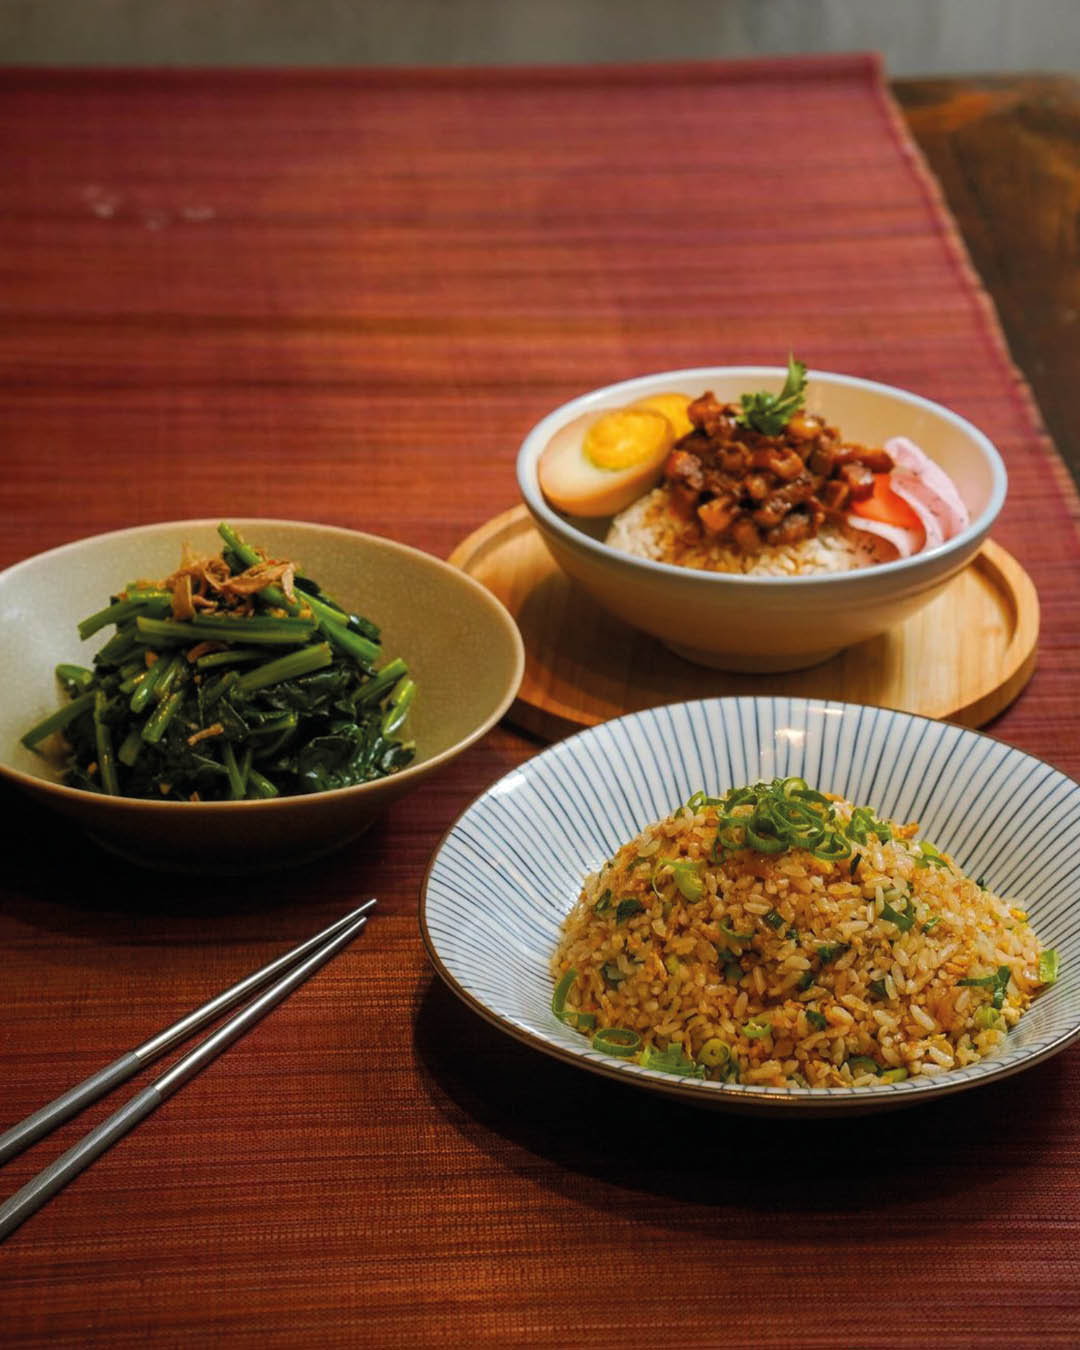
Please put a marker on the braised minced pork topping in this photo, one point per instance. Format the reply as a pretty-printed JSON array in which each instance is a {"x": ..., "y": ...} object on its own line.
[{"x": 753, "y": 490}]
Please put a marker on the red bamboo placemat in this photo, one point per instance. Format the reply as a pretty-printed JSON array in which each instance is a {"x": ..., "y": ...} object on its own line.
[{"x": 345, "y": 296}]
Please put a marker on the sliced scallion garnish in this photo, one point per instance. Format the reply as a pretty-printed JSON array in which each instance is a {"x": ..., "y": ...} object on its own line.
[
  {"x": 1048, "y": 966},
  {"x": 618, "y": 1041},
  {"x": 672, "y": 1060},
  {"x": 583, "y": 1021}
]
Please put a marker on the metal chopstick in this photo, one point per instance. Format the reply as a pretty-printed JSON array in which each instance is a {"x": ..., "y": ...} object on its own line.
[
  {"x": 48, "y": 1181},
  {"x": 69, "y": 1103}
]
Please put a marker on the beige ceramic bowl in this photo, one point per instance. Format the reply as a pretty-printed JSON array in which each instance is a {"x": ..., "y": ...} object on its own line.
[
  {"x": 461, "y": 646},
  {"x": 773, "y": 623}
]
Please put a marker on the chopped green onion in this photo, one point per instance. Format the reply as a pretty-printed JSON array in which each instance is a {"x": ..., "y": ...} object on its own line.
[
  {"x": 688, "y": 881},
  {"x": 773, "y": 919},
  {"x": 672, "y": 1060},
  {"x": 617, "y": 1041},
  {"x": 997, "y": 982},
  {"x": 1048, "y": 966},
  {"x": 733, "y": 937},
  {"x": 714, "y": 1053},
  {"x": 764, "y": 843},
  {"x": 860, "y": 1064},
  {"x": 626, "y": 909},
  {"x": 583, "y": 1021},
  {"x": 816, "y": 1019},
  {"x": 612, "y": 974},
  {"x": 831, "y": 951},
  {"x": 930, "y": 857},
  {"x": 878, "y": 987},
  {"x": 987, "y": 1017},
  {"x": 906, "y": 921},
  {"x": 754, "y": 1030},
  {"x": 893, "y": 1075},
  {"x": 604, "y": 903}
]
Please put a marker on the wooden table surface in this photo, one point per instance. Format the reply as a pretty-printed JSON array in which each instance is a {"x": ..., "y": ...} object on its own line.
[{"x": 345, "y": 297}]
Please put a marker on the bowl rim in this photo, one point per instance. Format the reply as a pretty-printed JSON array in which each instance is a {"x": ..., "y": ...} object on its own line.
[
  {"x": 306, "y": 801},
  {"x": 953, "y": 549},
  {"x": 750, "y": 1099}
]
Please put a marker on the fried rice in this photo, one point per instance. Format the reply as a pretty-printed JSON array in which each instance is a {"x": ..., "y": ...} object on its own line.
[{"x": 785, "y": 967}]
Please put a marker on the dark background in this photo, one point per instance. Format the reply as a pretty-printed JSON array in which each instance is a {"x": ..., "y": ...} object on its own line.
[{"x": 916, "y": 37}]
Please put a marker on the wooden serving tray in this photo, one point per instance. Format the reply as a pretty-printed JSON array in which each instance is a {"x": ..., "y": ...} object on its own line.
[{"x": 963, "y": 658}]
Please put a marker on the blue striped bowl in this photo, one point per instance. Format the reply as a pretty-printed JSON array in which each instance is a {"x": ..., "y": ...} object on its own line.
[{"x": 511, "y": 867}]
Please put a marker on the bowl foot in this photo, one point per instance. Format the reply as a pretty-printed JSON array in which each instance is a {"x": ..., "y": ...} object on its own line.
[
  {"x": 250, "y": 863},
  {"x": 752, "y": 663}
]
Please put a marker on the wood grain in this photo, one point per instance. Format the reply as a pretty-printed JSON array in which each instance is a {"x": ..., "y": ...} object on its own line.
[
  {"x": 963, "y": 658},
  {"x": 345, "y": 296},
  {"x": 1006, "y": 153}
]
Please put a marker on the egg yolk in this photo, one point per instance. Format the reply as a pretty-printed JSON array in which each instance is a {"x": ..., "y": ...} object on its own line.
[
  {"x": 597, "y": 465},
  {"x": 624, "y": 439},
  {"x": 673, "y": 407}
]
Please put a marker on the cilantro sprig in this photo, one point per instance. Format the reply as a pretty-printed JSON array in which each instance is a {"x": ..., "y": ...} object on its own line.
[{"x": 770, "y": 413}]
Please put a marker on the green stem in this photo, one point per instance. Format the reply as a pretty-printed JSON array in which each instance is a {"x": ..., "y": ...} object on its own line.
[
  {"x": 332, "y": 622},
  {"x": 235, "y": 657},
  {"x": 103, "y": 737},
  {"x": 219, "y": 628},
  {"x": 121, "y": 644},
  {"x": 237, "y": 783},
  {"x": 130, "y": 748},
  {"x": 58, "y": 720},
  {"x": 383, "y": 682},
  {"x": 287, "y": 667},
  {"x": 158, "y": 678},
  {"x": 157, "y": 601},
  {"x": 75, "y": 679},
  {"x": 158, "y": 721},
  {"x": 399, "y": 707},
  {"x": 259, "y": 785}
]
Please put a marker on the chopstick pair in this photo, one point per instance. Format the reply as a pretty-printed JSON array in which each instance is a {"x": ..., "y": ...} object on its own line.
[{"x": 299, "y": 964}]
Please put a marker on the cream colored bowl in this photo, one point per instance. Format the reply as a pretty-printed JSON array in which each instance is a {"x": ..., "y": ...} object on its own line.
[
  {"x": 461, "y": 646},
  {"x": 773, "y": 623}
]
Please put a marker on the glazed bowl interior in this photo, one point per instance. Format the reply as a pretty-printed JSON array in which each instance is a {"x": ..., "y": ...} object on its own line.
[{"x": 461, "y": 647}]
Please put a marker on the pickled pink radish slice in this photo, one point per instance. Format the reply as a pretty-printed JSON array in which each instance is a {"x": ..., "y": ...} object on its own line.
[
  {"x": 928, "y": 490},
  {"x": 905, "y": 542}
]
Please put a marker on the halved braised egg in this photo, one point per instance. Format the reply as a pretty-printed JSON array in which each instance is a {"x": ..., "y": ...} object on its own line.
[
  {"x": 595, "y": 466},
  {"x": 673, "y": 407}
]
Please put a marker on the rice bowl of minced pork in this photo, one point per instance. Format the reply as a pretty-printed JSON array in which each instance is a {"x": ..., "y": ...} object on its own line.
[
  {"x": 785, "y": 618},
  {"x": 915, "y": 935}
]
